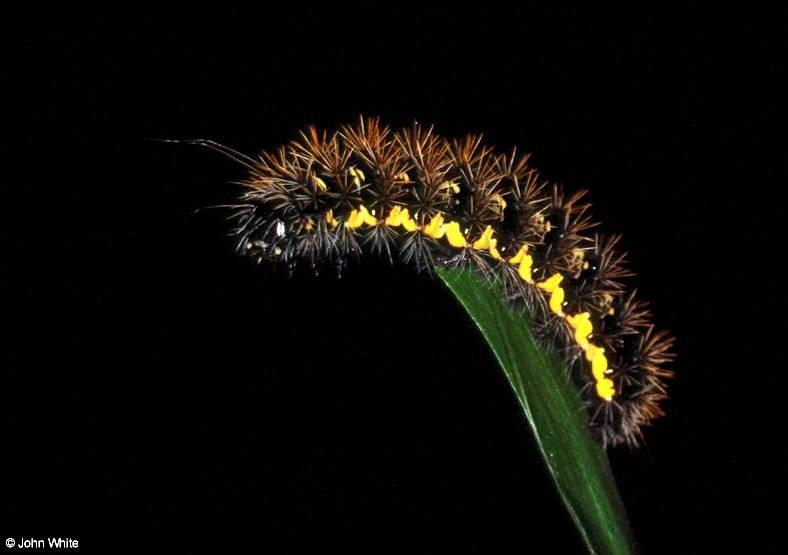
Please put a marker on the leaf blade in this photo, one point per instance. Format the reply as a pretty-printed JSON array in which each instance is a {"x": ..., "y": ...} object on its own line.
[{"x": 553, "y": 408}]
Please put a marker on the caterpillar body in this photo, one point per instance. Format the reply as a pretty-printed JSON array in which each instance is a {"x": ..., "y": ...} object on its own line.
[{"x": 414, "y": 196}]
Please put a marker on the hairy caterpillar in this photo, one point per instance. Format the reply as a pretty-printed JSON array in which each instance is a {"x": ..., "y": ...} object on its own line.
[{"x": 415, "y": 196}]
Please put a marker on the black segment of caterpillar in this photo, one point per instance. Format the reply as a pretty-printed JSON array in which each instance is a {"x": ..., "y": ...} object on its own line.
[{"x": 417, "y": 197}]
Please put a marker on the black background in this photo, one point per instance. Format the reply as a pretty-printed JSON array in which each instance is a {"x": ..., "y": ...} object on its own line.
[{"x": 159, "y": 391}]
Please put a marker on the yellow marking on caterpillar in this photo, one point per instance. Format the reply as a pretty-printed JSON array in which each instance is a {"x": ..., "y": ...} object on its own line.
[
  {"x": 605, "y": 389},
  {"x": 606, "y": 305},
  {"x": 320, "y": 183},
  {"x": 483, "y": 242},
  {"x": 525, "y": 269},
  {"x": 407, "y": 222},
  {"x": 358, "y": 176},
  {"x": 517, "y": 258},
  {"x": 499, "y": 204},
  {"x": 455, "y": 188},
  {"x": 359, "y": 217},
  {"x": 403, "y": 176},
  {"x": 394, "y": 219},
  {"x": 557, "y": 301},
  {"x": 434, "y": 229},
  {"x": 525, "y": 262},
  {"x": 552, "y": 283},
  {"x": 598, "y": 363},
  {"x": 488, "y": 243},
  {"x": 583, "y": 327},
  {"x": 354, "y": 220},
  {"x": 599, "y": 369},
  {"x": 553, "y": 286},
  {"x": 369, "y": 219},
  {"x": 578, "y": 262},
  {"x": 332, "y": 221},
  {"x": 454, "y": 236},
  {"x": 542, "y": 223},
  {"x": 309, "y": 225}
]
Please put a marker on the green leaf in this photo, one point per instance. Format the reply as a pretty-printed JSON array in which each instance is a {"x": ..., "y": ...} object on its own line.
[{"x": 552, "y": 405}]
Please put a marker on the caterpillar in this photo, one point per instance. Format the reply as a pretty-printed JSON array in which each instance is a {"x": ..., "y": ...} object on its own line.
[{"x": 412, "y": 195}]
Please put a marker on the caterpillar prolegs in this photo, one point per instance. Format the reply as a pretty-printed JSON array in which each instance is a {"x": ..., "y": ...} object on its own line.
[{"x": 414, "y": 196}]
